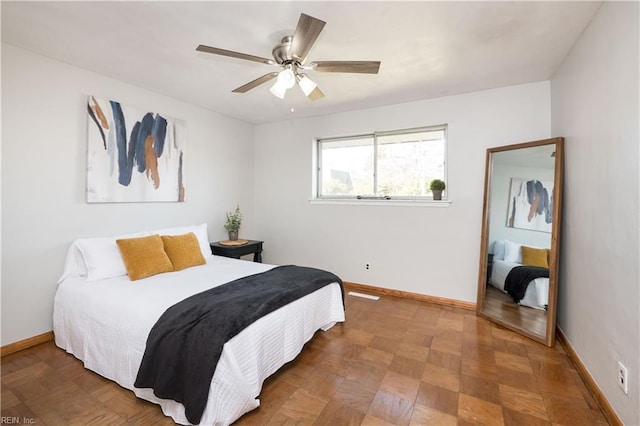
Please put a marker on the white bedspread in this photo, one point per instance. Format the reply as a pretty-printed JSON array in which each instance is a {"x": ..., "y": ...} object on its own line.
[
  {"x": 537, "y": 293},
  {"x": 106, "y": 323}
]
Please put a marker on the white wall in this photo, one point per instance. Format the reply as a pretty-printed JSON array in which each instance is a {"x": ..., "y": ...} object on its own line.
[
  {"x": 595, "y": 106},
  {"x": 44, "y": 128},
  {"x": 427, "y": 250},
  {"x": 499, "y": 205}
]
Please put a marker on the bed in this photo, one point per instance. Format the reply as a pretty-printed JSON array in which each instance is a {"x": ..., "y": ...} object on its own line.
[
  {"x": 507, "y": 255},
  {"x": 105, "y": 321}
]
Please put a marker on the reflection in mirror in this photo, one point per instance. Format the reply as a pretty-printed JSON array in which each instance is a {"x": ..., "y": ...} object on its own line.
[{"x": 518, "y": 277}]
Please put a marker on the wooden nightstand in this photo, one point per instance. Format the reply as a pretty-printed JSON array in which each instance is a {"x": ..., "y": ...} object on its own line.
[
  {"x": 236, "y": 252},
  {"x": 489, "y": 266}
]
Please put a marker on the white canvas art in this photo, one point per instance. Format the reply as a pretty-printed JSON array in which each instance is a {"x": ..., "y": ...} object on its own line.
[
  {"x": 133, "y": 155},
  {"x": 530, "y": 205}
]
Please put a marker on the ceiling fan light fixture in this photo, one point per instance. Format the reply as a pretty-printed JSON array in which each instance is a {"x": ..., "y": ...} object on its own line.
[
  {"x": 278, "y": 90},
  {"x": 307, "y": 85},
  {"x": 287, "y": 78}
]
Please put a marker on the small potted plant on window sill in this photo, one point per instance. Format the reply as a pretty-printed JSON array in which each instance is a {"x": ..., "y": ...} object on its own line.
[
  {"x": 437, "y": 186},
  {"x": 233, "y": 223}
]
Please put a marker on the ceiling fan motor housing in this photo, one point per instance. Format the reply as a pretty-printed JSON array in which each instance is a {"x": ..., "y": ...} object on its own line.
[{"x": 282, "y": 51}]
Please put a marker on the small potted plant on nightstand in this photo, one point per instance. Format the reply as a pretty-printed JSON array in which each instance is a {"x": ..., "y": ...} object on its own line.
[
  {"x": 437, "y": 186},
  {"x": 233, "y": 223}
]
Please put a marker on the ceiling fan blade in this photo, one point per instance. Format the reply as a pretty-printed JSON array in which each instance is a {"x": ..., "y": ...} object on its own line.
[
  {"x": 361, "y": 67},
  {"x": 316, "y": 95},
  {"x": 255, "y": 83},
  {"x": 232, "y": 54},
  {"x": 307, "y": 32}
]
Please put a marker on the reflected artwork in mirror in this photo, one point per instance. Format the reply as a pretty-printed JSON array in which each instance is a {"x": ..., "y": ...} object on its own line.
[{"x": 520, "y": 244}]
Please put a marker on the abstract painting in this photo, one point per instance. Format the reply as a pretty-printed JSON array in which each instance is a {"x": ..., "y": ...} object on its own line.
[
  {"x": 133, "y": 155},
  {"x": 530, "y": 205}
]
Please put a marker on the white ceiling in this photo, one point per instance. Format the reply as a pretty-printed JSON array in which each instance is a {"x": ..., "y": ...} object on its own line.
[{"x": 427, "y": 49}]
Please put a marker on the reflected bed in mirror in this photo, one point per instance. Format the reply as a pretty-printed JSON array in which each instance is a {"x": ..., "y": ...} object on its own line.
[{"x": 518, "y": 278}]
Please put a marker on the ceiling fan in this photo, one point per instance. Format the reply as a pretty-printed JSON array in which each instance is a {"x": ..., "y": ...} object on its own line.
[{"x": 291, "y": 55}]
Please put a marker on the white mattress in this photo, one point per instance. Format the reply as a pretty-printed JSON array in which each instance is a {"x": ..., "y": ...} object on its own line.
[
  {"x": 106, "y": 323},
  {"x": 537, "y": 293}
]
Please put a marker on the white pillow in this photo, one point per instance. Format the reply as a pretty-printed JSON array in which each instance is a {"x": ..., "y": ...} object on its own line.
[
  {"x": 102, "y": 257},
  {"x": 199, "y": 230},
  {"x": 512, "y": 252},
  {"x": 498, "y": 249},
  {"x": 74, "y": 265}
]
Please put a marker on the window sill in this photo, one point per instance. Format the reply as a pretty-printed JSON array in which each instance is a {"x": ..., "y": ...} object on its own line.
[{"x": 395, "y": 203}]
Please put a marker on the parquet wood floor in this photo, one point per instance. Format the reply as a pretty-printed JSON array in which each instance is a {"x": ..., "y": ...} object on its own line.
[{"x": 394, "y": 362}]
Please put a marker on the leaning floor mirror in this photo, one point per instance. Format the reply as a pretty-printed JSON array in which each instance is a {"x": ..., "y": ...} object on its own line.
[{"x": 520, "y": 242}]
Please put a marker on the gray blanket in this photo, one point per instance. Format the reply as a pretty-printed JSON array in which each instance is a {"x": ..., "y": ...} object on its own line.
[
  {"x": 184, "y": 346},
  {"x": 519, "y": 278}
]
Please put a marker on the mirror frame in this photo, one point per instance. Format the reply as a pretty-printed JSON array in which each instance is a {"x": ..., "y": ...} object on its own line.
[{"x": 549, "y": 338}]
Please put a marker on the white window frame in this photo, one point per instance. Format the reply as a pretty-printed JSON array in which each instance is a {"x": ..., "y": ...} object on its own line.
[{"x": 388, "y": 200}]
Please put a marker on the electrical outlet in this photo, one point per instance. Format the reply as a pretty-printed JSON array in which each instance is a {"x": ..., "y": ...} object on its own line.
[
  {"x": 367, "y": 266},
  {"x": 622, "y": 378}
]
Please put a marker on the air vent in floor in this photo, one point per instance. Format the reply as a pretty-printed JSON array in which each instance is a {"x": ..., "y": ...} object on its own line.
[{"x": 364, "y": 296}]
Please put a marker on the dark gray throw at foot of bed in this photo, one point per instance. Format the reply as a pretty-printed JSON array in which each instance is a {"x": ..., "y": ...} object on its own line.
[
  {"x": 184, "y": 346},
  {"x": 519, "y": 278}
]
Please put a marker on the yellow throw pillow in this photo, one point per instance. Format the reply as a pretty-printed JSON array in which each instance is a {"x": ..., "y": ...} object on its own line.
[
  {"x": 183, "y": 250},
  {"x": 534, "y": 257},
  {"x": 144, "y": 256}
]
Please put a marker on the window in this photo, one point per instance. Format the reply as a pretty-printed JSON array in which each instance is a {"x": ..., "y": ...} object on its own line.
[{"x": 388, "y": 165}]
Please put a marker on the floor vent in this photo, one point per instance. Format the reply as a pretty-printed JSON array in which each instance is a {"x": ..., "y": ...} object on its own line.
[{"x": 364, "y": 296}]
